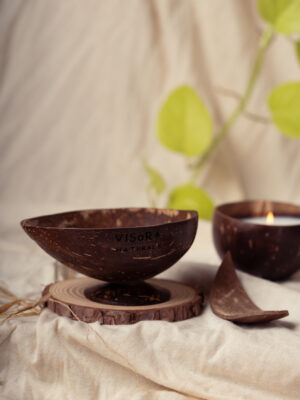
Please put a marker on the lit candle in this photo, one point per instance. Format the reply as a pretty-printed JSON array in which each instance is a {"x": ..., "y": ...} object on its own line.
[{"x": 270, "y": 219}]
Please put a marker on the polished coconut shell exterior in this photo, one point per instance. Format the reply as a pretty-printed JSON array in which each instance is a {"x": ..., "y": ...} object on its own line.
[{"x": 115, "y": 245}]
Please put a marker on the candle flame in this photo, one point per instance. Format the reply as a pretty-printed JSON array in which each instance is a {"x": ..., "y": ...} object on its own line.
[{"x": 270, "y": 218}]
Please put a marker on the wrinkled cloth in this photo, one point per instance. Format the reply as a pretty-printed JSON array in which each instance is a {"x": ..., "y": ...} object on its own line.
[
  {"x": 81, "y": 83},
  {"x": 48, "y": 356}
]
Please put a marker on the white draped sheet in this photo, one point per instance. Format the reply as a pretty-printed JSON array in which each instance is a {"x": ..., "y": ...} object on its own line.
[{"x": 80, "y": 86}]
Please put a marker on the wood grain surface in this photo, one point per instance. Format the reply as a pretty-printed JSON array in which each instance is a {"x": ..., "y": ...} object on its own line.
[{"x": 68, "y": 300}]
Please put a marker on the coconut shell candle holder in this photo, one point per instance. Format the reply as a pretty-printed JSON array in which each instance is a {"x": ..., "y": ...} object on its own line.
[
  {"x": 122, "y": 248},
  {"x": 269, "y": 251}
]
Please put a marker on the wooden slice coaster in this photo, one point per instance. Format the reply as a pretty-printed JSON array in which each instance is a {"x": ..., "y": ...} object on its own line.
[{"x": 68, "y": 295}]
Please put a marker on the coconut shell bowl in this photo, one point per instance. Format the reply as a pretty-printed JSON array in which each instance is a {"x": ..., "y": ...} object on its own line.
[
  {"x": 268, "y": 251},
  {"x": 120, "y": 249}
]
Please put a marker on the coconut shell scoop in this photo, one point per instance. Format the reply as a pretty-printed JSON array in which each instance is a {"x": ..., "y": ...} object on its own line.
[{"x": 229, "y": 300}]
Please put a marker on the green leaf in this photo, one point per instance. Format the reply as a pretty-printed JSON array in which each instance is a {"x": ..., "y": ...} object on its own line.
[
  {"x": 184, "y": 124},
  {"x": 289, "y": 22},
  {"x": 156, "y": 181},
  {"x": 271, "y": 10},
  {"x": 283, "y": 15},
  {"x": 284, "y": 103},
  {"x": 190, "y": 197},
  {"x": 297, "y": 48}
]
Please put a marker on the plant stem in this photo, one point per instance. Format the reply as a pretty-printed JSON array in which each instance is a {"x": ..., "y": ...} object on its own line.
[{"x": 263, "y": 46}]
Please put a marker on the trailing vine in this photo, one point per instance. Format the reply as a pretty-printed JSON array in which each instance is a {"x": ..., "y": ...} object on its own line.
[{"x": 184, "y": 124}]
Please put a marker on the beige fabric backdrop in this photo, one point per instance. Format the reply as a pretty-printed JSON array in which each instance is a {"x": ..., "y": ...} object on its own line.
[{"x": 80, "y": 85}]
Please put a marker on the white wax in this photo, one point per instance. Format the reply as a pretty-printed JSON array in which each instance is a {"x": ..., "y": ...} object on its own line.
[{"x": 279, "y": 220}]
